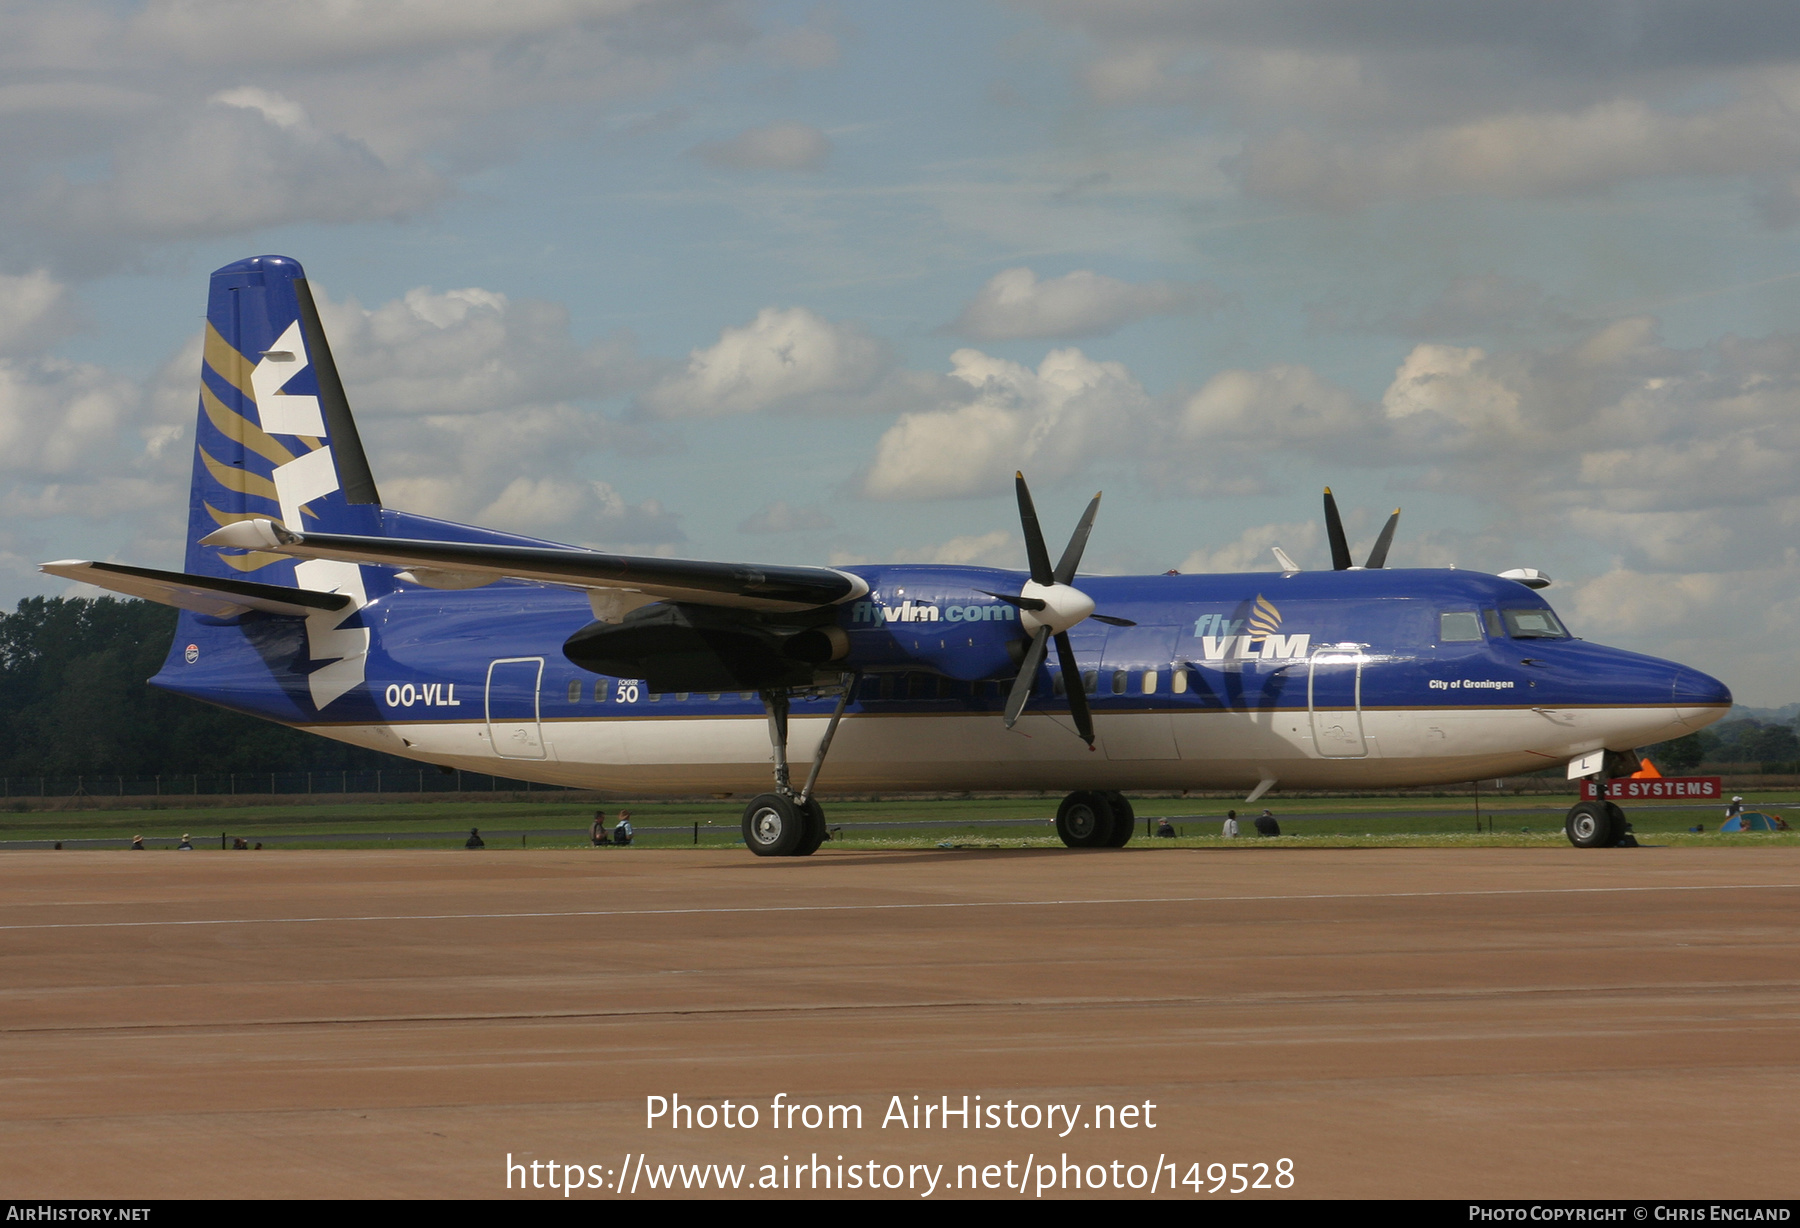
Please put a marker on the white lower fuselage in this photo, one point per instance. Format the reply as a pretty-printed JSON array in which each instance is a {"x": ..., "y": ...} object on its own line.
[{"x": 688, "y": 754}]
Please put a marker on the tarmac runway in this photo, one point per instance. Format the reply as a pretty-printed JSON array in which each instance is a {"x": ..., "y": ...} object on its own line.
[{"x": 1433, "y": 1022}]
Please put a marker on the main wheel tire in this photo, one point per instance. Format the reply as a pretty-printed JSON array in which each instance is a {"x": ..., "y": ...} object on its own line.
[
  {"x": 1124, "y": 820},
  {"x": 812, "y": 816},
  {"x": 773, "y": 826},
  {"x": 1590, "y": 825},
  {"x": 1621, "y": 830},
  {"x": 1085, "y": 820}
]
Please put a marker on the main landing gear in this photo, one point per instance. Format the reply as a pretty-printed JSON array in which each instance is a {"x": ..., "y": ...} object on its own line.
[
  {"x": 786, "y": 823},
  {"x": 1095, "y": 819}
]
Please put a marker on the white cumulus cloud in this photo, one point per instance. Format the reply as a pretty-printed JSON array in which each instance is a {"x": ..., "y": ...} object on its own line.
[
  {"x": 785, "y": 359},
  {"x": 1048, "y": 422},
  {"x": 1015, "y": 304}
]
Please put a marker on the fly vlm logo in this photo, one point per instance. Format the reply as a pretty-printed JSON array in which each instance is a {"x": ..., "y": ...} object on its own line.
[
  {"x": 1255, "y": 638},
  {"x": 910, "y": 611}
]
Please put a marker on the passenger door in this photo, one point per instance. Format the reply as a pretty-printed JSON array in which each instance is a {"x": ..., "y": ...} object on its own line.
[
  {"x": 1334, "y": 701},
  {"x": 512, "y": 707}
]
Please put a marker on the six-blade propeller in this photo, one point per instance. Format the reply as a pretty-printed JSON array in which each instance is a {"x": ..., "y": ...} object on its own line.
[{"x": 1048, "y": 607}]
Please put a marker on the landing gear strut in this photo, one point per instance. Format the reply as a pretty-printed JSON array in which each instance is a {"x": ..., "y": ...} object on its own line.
[
  {"x": 1092, "y": 819},
  {"x": 787, "y": 823}
]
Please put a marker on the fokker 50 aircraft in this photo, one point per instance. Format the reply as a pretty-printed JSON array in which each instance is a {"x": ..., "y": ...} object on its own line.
[{"x": 308, "y": 602}]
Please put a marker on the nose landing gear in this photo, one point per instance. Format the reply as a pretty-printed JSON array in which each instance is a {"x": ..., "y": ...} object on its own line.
[{"x": 1598, "y": 825}]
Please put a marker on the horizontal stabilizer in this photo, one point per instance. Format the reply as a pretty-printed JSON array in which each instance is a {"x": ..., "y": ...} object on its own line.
[
  {"x": 212, "y": 595},
  {"x": 737, "y": 585}
]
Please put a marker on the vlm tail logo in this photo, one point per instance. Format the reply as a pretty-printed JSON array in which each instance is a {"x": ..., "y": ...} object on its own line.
[{"x": 1255, "y": 638}]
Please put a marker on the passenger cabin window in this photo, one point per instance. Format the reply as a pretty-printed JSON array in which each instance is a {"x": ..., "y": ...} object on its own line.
[
  {"x": 600, "y": 691},
  {"x": 1459, "y": 628},
  {"x": 574, "y": 690},
  {"x": 1149, "y": 682},
  {"x": 1178, "y": 681},
  {"x": 1118, "y": 681},
  {"x": 1056, "y": 683},
  {"x": 1090, "y": 681},
  {"x": 1537, "y": 624},
  {"x": 681, "y": 695}
]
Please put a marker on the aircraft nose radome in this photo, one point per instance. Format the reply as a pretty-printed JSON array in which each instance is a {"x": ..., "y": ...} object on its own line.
[{"x": 1699, "y": 698}]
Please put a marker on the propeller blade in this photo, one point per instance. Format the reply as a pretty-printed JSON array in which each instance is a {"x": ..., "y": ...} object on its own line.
[
  {"x": 1334, "y": 529},
  {"x": 1074, "y": 686},
  {"x": 1378, "y": 556},
  {"x": 1021, "y": 688},
  {"x": 1071, "y": 559},
  {"x": 1112, "y": 620},
  {"x": 1035, "y": 551},
  {"x": 1023, "y": 603}
]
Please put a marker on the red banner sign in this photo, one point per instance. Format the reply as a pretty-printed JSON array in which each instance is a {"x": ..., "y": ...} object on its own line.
[{"x": 1665, "y": 789}]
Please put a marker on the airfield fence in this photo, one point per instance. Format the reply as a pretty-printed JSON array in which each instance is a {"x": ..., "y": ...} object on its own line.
[{"x": 276, "y": 784}]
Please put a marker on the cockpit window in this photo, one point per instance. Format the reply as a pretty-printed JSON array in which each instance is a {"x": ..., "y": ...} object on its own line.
[
  {"x": 1461, "y": 627},
  {"x": 1537, "y": 624}
]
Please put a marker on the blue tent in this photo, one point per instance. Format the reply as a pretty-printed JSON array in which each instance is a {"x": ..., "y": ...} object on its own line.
[{"x": 1755, "y": 820}]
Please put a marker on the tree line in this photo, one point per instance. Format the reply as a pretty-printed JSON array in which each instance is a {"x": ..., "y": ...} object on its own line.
[
  {"x": 73, "y": 701},
  {"x": 1774, "y": 746}
]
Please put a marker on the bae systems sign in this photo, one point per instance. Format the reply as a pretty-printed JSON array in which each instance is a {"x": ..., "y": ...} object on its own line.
[{"x": 1666, "y": 788}]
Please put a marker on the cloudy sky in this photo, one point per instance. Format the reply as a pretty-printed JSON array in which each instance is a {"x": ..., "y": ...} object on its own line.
[{"x": 803, "y": 282}]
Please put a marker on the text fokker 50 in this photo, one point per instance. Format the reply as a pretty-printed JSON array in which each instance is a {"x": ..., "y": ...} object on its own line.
[{"x": 306, "y": 601}]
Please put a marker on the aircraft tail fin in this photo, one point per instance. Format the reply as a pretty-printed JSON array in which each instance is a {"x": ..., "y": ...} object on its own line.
[{"x": 274, "y": 437}]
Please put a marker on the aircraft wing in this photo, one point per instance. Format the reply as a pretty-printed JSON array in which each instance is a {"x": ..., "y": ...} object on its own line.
[
  {"x": 441, "y": 564},
  {"x": 201, "y": 594}
]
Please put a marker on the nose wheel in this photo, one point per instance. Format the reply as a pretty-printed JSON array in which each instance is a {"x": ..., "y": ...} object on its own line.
[{"x": 1598, "y": 825}]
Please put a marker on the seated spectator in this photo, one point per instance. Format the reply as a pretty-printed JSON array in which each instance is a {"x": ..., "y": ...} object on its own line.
[
  {"x": 1266, "y": 824},
  {"x": 474, "y": 841},
  {"x": 185, "y": 844},
  {"x": 1165, "y": 830},
  {"x": 597, "y": 832},
  {"x": 137, "y": 842},
  {"x": 1230, "y": 829},
  {"x": 622, "y": 833}
]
